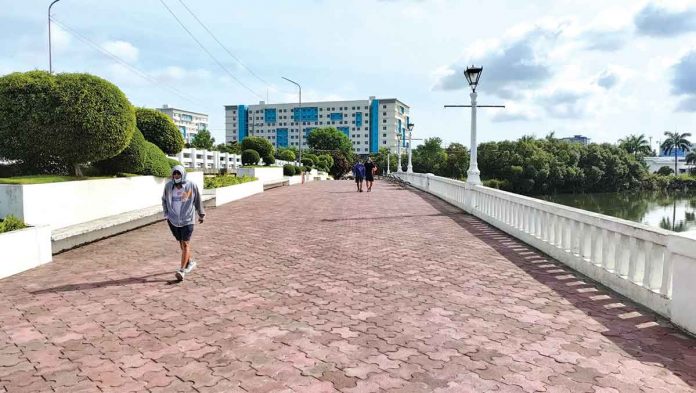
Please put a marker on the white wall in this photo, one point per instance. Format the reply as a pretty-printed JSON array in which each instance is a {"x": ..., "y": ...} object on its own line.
[
  {"x": 265, "y": 174},
  {"x": 24, "y": 249},
  {"x": 68, "y": 203},
  {"x": 225, "y": 195}
]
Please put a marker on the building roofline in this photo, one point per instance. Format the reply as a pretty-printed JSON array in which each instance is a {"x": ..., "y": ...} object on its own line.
[
  {"x": 319, "y": 102},
  {"x": 181, "y": 110}
]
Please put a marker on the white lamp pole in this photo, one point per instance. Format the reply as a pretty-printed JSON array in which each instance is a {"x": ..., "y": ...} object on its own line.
[
  {"x": 409, "y": 169},
  {"x": 473, "y": 174},
  {"x": 50, "y": 54},
  {"x": 398, "y": 152},
  {"x": 299, "y": 116},
  {"x": 388, "y": 159}
]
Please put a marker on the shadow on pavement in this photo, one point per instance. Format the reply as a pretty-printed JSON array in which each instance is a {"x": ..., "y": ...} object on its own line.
[
  {"x": 110, "y": 283},
  {"x": 646, "y": 336}
]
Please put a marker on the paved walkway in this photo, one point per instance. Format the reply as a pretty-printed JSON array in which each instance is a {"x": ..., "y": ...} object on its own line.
[{"x": 317, "y": 288}]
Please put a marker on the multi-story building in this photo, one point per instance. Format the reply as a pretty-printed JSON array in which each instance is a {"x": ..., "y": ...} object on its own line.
[
  {"x": 583, "y": 140},
  {"x": 370, "y": 124},
  {"x": 189, "y": 123}
]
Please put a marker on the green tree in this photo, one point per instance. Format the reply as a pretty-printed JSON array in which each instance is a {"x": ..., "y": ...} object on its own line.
[
  {"x": 457, "y": 162},
  {"x": 54, "y": 123},
  {"x": 261, "y": 145},
  {"x": 380, "y": 159},
  {"x": 159, "y": 129},
  {"x": 250, "y": 157},
  {"x": 325, "y": 139},
  {"x": 130, "y": 160},
  {"x": 203, "y": 140},
  {"x": 675, "y": 142},
  {"x": 636, "y": 145},
  {"x": 229, "y": 147},
  {"x": 429, "y": 157},
  {"x": 287, "y": 155}
]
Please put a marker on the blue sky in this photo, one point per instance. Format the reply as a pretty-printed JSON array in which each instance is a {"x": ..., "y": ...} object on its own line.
[{"x": 573, "y": 67}]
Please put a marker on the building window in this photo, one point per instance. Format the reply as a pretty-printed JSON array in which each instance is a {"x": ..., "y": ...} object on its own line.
[
  {"x": 384, "y": 135},
  {"x": 384, "y": 142},
  {"x": 384, "y": 128}
]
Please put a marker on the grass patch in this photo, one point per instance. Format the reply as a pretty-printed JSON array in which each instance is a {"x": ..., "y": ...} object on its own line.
[
  {"x": 225, "y": 180},
  {"x": 258, "y": 166},
  {"x": 41, "y": 179},
  {"x": 11, "y": 223}
]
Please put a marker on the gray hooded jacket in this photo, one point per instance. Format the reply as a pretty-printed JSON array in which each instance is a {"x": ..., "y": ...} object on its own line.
[{"x": 190, "y": 201}]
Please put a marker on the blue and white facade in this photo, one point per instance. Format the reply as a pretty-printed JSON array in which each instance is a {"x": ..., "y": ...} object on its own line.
[
  {"x": 189, "y": 123},
  {"x": 370, "y": 124}
]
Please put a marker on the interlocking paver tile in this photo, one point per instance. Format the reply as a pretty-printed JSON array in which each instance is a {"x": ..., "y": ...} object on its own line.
[{"x": 297, "y": 290}]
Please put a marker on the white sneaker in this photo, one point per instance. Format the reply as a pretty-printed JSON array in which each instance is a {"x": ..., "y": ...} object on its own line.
[
  {"x": 180, "y": 274},
  {"x": 190, "y": 265}
]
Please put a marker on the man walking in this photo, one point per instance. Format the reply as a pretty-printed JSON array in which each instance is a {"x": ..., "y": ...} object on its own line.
[
  {"x": 370, "y": 170},
  {"x": 359, "y": 174},
  {"x": 179, "y": 200}
]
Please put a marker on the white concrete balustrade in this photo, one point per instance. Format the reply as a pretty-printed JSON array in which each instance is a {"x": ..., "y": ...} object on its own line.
[
  {"x": 651, "y": 266},
  {"x": 207, "y": 159}
]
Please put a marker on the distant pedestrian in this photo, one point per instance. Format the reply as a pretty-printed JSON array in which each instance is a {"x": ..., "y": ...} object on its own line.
[
  {"x": 370, "y": 170},
  {"x": 179, "y": 201},
  {"x": 359, "y": 174}
]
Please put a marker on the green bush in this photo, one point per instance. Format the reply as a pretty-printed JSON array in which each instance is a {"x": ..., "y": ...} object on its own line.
[
  {"x": 311, "y": 156},
  {"x": 261, "y": 145},
  {"x": 11, "y": 223},
  {"x": 225, "y": 181},
  {"x": 159, "y": 129},
  {"x": 250, "y": 157},
  {"x": 268, "y": 160},
  {"x": 156, "y": 162},
  {"x": 306, "y": 169},
  {"x": 307, "y": 162},
  {"x": 298, "y": 170},
  {"x": 287, "y": 155},
  {"x": 288, "y": 170},
  {"x": 327, "y": 159},
  {"x": 665, "y": 171},
  {"x": 76, "y": 118},
  {"x": 172, "y": 162},
  {"x": 130, "y": 160},
  {"x": 497, "y": 183}
]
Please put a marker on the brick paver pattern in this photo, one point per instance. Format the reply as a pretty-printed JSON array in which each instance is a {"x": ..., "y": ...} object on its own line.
[{"x": 318, "y": 288}]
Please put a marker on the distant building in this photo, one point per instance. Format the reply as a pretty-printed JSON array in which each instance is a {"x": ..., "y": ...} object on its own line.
[
  {"x": 189, "y": 123},
  {"x": 583, "y": 140},
  {"x": 655, "y": 163},
  {"x": 370, "y": 124}
]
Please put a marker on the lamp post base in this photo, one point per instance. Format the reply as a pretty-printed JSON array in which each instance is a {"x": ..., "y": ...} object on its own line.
[{"x": 473, "y": 177}]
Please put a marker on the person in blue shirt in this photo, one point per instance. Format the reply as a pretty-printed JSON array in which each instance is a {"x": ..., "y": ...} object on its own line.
[{"x": 359, "y": 174}]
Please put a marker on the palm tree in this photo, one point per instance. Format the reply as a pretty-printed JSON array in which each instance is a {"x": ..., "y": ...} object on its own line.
[
  {"x": 691, "y": 160},
  {"x": 675, "y": 142},
  {"x": 636, "y": 145}
]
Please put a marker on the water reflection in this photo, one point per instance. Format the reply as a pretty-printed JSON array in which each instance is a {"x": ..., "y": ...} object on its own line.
[{"x": 674, "y": 211}]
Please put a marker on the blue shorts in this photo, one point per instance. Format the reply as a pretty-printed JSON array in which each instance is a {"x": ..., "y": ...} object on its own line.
[{"x": 182, "y": 234}]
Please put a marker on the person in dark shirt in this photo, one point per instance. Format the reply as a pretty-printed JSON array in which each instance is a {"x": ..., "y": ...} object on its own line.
[
  {"x": 370, "y": 170},
  {"x": 359, "y": 174}
]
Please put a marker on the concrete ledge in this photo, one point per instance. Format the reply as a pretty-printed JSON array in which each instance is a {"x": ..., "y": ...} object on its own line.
[
  {"x": 76, "y": 235},
  {"x": 24, "y": 249},
  {"x": 228, "y": 194}
]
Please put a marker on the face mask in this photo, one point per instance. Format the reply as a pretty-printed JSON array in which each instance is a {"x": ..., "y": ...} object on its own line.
[{"x": 177, "y": 181}]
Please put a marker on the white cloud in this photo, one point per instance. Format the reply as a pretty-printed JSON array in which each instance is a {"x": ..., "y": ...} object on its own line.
[{"x": 125, "y": 50}]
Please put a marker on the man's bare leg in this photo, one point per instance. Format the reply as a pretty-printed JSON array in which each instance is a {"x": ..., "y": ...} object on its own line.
[{"x": 185, "y": 253}]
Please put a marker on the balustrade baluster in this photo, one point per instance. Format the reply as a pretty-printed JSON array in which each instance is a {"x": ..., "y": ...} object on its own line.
[
  {"x": 666, "y": 285},
  {"x": 634, "y": 256}
]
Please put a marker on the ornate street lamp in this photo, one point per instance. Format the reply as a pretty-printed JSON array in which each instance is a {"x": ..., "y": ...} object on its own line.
[
  {"x": 409, "y": 169},
  {"x": 473, "y": 174}
]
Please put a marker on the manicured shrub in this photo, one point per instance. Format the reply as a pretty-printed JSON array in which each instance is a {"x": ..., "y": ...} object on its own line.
[
  {"x": 156, "y": 162},
  {"x": 172, "y": 163},
  {"x": 298, "y": 170},
  {"x": 225, "y": 181},
  {"x": 130, "y": 160},
  {"x": 307, "y": 162},
  {"x": 327, "y": 159},
  {"x": 288, "y": 170},
  {"x": 11, "y": 223},
  {"x": 287, "y": 155},
  {"x": 665, "y": 171},
  {"x": 75, "y": 118},
  {"x": 159, "y": 129},
  {"x": 268, "y": 160},
  {"x": 250, "y": 157},
  {"x": 261, "y": 145}
]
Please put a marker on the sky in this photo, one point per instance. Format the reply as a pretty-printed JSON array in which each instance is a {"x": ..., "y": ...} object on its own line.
[{"x": 603, "y": 69}]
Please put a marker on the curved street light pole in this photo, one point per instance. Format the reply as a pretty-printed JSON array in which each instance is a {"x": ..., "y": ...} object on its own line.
[
  {"x": 50, "y": 60},
  {"x": 299, "y": 113},
  {"x": 409, "y": 168}
]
